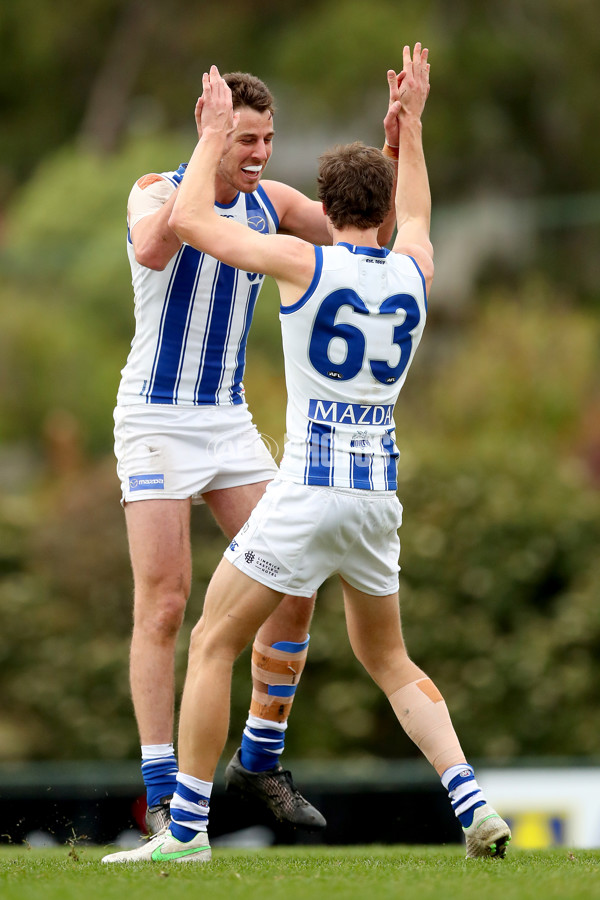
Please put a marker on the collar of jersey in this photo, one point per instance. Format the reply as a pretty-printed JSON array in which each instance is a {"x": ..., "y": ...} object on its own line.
[
  {"x": 364, "y": 251},
  {"x": 228, "y": 205}
]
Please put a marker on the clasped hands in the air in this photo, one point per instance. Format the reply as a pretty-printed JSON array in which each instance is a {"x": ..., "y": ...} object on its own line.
[{"x": 409, "y": 90}]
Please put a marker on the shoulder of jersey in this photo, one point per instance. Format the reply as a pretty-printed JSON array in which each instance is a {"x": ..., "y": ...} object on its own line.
[{"x": 146, "y": 180}]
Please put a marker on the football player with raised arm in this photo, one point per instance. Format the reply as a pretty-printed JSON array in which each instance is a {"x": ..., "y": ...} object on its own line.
[
  {"x": 352, "y": 316},
  {"x": 184, "y": 435}
]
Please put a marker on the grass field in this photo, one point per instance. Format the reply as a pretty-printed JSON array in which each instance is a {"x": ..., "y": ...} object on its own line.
[{"x": 301, "y": 873}]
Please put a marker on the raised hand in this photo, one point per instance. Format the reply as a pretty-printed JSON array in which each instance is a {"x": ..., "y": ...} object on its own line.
[
  {"x": 414, "y": 89},
  {"x": 390, "y": 123},
  {"x": 214, "y": 109}
]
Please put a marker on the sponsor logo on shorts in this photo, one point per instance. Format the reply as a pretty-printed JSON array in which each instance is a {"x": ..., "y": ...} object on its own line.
[
  {"x": 146, "y": 482},
  {"x": 233, "y": 545},
  {"x": 262, "y": 565}
]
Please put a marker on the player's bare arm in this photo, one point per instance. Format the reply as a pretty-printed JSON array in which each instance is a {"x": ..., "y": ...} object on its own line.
[
  {"x": 298, "y": 215},
  {"x": 288, "y": 259},
  {"x": 148, "y": 210},
  {"x": 390, "y": 147},
  {"x": 304, "y": 218},
  {"x": 413, "y": 197},
  {"x": 390, "y": 122}
]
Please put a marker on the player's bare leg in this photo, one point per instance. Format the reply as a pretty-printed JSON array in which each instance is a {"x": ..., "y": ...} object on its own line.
[
  {"x": 234, "y": 608},
  {"x": 279, "y": 654},
  {"x": 375, "y": 632},
  {"x": 159, "y": 546}
]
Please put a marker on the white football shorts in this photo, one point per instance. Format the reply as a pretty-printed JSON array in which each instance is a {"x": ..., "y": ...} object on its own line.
[
  {"x": 174, "y": 452},
  {"x": 298, "y": 535}
]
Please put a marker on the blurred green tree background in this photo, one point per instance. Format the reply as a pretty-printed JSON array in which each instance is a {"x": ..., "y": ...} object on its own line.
[{"x": 499, "y": 423}]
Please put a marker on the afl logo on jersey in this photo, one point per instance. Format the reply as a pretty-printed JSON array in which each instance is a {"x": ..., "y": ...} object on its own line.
[{"x": 258, "y": 222}]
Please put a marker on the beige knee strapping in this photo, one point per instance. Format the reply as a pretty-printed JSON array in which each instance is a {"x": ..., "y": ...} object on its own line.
[
  {"x": 422, "y": 712},
  {"x": 274, "y": 667}
]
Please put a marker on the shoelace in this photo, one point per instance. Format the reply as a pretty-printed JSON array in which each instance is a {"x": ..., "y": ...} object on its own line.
[{"x": 286, "y": 775}]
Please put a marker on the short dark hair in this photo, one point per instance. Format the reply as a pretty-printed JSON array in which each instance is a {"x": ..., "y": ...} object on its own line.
[
  {"x": 248, "y": 90},
  {"x": 355, "y": 185}
]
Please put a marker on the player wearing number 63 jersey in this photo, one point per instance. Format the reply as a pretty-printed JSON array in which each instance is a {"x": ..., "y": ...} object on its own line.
[
  {"x": 352, "y": 317},
  {"x": 184, "y": 435},
  {"x": 348, "y": 344}
]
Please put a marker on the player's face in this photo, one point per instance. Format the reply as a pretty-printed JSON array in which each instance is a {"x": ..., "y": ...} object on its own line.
[{"x": 244, "y": 162}]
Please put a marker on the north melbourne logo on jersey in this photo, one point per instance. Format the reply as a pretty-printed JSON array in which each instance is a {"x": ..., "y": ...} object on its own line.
[
  {"x": 361, "y": 440},
  {"x": 333, "y": 412}
]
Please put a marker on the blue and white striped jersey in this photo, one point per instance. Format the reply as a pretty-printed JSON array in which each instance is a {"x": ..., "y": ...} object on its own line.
[
  {"x": 192, "y": 319},
  {"x": 348, "y": 343}
]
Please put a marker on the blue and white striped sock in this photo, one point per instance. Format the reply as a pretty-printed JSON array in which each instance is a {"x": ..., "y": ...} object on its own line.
[
  {"x": 263, "y": 741},
  {"x": 159, "y": 771},
  {"x": 262, "y": 744},
  {"x": 464, "y": 792},
  {"x": 190, "y": 807}
]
